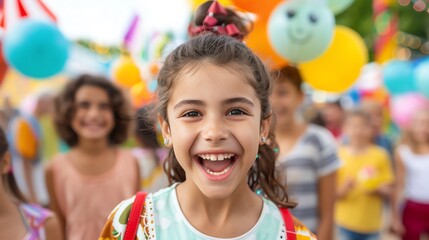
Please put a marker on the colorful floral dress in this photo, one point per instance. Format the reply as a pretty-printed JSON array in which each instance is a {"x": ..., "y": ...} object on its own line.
[{"x": 163, "y": 219}]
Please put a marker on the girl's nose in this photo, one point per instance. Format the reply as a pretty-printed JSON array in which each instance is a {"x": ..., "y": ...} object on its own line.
[
  {"x": 215, "y": 130},
  {"x": 94, "y": 111}
]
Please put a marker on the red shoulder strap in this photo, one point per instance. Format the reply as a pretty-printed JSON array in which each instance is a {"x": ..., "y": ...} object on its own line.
[
  {"x": 134, "y": 218},
  {"x": 288, "y": 220}
]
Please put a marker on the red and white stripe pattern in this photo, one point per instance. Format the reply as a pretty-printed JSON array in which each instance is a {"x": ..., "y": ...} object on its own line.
[{"x": 12, "y": 11}]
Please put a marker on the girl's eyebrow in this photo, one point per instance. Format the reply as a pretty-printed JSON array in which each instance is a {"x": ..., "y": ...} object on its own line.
[
  {"x": 189, "y": 102},
  {"x": 226, "y": 102},
  {"x": 238, "y": 100}
]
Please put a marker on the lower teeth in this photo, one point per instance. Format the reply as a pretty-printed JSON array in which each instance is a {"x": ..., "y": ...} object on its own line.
[{"x": 217, "y": 173}]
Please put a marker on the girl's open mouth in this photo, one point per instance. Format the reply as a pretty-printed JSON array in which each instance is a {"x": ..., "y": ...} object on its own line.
[{"x": 217, "y": 165}]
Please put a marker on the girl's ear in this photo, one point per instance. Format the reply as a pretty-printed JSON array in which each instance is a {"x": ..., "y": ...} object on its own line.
[
  {"x": 265, "y": 128},
  {"x": 5, "y": 163},
  {"x": 165, "y": 129}
]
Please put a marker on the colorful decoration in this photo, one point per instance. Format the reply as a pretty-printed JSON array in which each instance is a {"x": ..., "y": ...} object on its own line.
[
  {"x": 131, "y": 32},
  {"x": 404, "y": 106},
  {"x": 398, "y": 77},
  {"x": 3, "y": 65},
  {"x": 300, "y": 31},
  {"x": 258, "y": 41},
  {"x": 36, "y": 48},
  {"x": 386, "y": 26},
  {"x": 422, "y": 78},
  {"x": 19, "y": 9},
  {"x": 339, "y": 67},
  {"x": 126, "y": 73}
]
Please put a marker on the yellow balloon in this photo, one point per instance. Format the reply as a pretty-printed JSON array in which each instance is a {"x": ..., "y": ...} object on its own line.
[
  {"x": 196, "y": 3},
  {"x": 339, "y": 67},
  {"x": 126, "y": 73}
]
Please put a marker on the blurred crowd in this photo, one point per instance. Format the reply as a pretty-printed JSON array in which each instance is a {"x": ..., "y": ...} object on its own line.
[{"x": 340, "y": 168}]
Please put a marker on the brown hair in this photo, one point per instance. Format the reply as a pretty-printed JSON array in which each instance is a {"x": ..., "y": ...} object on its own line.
[
  {"x": 244, "y": 25},
  {"x": 224, "y": 51},
  {"x": 9, "y": 181},
  {"x": 288, "y": 74},
  {"x": 145, "y": 130},
  {"x": 65, "y": 109},
  {"x": 360, "y": 113}
]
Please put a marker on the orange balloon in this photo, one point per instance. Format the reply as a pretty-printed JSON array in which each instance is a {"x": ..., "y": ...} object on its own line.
[
  {"x": 140, "y": 95},
  {"x": 126, "y": 73},
  {"x": 26, "y": 141},
  {"x": 258, "y": 41},
  {"x": 262, "y": 8}
]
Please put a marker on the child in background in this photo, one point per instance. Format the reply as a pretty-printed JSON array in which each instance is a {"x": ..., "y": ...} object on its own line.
[
  {"x": 333, "y": 116},
  {"x": 375, "y": 111},
  {"x": 86, "y": 182},
  {"x": 149, "y": 153},
  {"x": 364, "y": 181},
  {"x": 215, "y": 115},
  {"x": 307, "y": 157},
  {"x": 412, "y": 171},
  {"x": 18, "y": 219}
]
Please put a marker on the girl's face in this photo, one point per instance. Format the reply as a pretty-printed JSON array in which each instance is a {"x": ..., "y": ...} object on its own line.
[
  {"x": 285, "y": 100},
  {"x": 93, "y": 117},
  {"x": 420, "y": 127},
  {"x": 215, "y": 128},
  {"x": 357, "y": 129}
]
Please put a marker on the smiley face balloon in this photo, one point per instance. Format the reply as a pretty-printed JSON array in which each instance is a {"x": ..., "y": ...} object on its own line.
[{"x": 301, "y": 30}]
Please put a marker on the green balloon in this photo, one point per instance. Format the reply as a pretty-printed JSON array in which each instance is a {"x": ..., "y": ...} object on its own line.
[
  {"x": 337, "y": 6},
  {"x": 301, "y": 31}
]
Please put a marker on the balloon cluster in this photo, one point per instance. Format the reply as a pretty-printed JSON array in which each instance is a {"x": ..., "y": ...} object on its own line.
[
  {"x": 401, "y": 86},
  {"x": 303, "y": 32},
  {"x": 408, "y": 84}
]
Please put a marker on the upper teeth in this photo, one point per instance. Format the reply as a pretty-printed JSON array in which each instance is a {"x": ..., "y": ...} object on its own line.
[{"x": 216, "y": 157}]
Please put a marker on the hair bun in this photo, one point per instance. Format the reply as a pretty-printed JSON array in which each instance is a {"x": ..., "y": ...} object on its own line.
[{"x": 211, "y": 16}]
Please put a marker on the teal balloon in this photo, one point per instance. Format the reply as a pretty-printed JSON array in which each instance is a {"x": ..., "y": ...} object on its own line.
[
  {"x": 301, "y": 31},
  {"x": 338, "y": 6},
  {"x": 36, "y": 48},
  {"x": 422, "y": 78},
  {"x": 398, "y": 77}
]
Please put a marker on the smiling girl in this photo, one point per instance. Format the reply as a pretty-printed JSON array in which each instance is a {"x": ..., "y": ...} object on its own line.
[
  {"x": 88, "y": 181},
  {"x": 215, "y": 116}
]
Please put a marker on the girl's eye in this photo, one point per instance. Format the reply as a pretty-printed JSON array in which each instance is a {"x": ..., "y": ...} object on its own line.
[
  {"x": 192, "y": 114},
  {"x": 236, "y": 112},
  {"x": 83, "y": 105},
  {"x": 104, "y": 106}
]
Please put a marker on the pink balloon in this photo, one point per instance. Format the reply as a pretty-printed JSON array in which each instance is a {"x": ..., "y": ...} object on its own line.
[{"x": 404, "y": 106}]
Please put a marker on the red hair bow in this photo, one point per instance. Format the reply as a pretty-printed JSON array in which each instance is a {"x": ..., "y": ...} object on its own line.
[{"x": 211, "y": 24}]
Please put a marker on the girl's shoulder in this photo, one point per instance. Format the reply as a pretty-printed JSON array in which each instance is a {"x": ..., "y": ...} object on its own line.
[
  {"x": 301, "y": 231},
  {"x": 116, "y": 223}
]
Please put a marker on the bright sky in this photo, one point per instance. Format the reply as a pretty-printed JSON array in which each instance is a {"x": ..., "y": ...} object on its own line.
[{"x": 106, "y": 21}]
